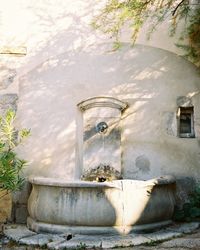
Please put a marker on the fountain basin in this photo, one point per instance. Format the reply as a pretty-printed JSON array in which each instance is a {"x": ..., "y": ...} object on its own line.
[{"x": 120, "y": 206}]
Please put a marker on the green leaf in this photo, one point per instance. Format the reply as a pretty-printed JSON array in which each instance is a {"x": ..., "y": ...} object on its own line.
[
  {"x": 116, "y": 45},
  {"x": 11, "y": 165}
]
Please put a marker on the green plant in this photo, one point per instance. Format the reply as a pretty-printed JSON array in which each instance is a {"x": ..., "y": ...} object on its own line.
[
  {"x": 81, "y": 246},
  {"x": 10, "y": 164},
  {"x": 191, "y": 209}
]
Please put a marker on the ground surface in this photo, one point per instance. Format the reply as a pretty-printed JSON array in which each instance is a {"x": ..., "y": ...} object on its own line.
[{"x": 179, "y": 237}]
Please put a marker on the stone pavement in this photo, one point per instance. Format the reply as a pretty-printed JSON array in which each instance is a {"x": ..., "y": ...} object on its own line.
[{"x": 177, "y": 236}]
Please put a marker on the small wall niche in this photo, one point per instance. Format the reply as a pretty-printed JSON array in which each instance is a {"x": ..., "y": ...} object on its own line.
[
  {"x": 101, "y": 133},
  {"x": 185, "y": 117},
  {"x": 186, "y": 122}
]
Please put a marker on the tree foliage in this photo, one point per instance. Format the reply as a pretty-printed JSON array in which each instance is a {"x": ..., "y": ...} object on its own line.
[
  {"x": 135, "y": 13},
  {"x": 10, "y": 164}
]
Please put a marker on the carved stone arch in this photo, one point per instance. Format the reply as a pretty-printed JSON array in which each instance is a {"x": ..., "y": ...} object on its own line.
[{"x": 102, "y": 101}]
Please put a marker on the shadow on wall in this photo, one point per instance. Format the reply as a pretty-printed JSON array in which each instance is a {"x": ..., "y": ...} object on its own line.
[
  {"x": 48, "y": 29},
  {"x": 148, "y": 79}
]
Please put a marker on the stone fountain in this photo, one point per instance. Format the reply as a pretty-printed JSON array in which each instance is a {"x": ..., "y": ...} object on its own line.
[{"x": 100, "y": 201}]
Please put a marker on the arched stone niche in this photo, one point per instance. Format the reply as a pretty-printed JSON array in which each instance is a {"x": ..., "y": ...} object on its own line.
[{"x": 101, "y": 133}]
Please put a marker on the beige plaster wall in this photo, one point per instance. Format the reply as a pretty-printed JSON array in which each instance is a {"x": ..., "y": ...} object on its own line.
[
  {"x": 66, "y": 63},
  {"x": 47, "y": 29},
  {"x": 149, "y": 79}
]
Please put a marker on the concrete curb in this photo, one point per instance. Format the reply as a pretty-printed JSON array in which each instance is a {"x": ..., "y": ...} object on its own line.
[{"x": 21, "y": 235}]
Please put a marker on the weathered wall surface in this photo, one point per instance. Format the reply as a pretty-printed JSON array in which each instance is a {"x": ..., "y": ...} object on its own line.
[
  {"x": 68, "y": 62},
  {"x": 149, "y": 79},
  {"x": 47, "y": 29}
]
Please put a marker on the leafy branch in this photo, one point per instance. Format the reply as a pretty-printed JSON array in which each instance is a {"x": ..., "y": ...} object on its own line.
[
  {"x": 10, "y": 164},
  {"x": 177, "y": 6},
  {"x": 117, "y": 14}
]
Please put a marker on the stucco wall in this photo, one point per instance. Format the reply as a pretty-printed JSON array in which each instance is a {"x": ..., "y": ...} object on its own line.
[
  {"x": 47, "y": 29},
  {"x": 149, "y": 79}
]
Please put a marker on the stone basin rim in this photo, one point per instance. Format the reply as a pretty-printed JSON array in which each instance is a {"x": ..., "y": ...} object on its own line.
[{"x": 49, "y": 181}]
